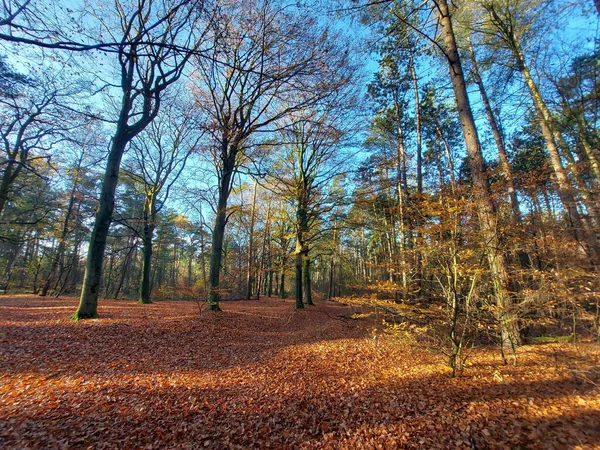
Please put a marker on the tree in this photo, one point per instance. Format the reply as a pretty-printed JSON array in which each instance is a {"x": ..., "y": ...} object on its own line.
[
  {"x": 309, "y": 172},
  {"x": 496, "y": 132},
  {"x": 400, "y": 51},
  {"x": 149, "y": 62},
  {"x": 33, "y": 120},
  {"x": 481, "y": 190},
  {"x": 266, "y": 63},
  {"x": 160, "y": 154},
  {"x": 389, "y": 136}
]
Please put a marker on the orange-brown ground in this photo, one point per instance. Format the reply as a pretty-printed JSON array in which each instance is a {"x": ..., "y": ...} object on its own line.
[{"x": 259, "y": 375}]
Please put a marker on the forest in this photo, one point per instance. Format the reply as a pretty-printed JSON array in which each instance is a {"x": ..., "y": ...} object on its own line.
[{"x": 354, "y": 183}]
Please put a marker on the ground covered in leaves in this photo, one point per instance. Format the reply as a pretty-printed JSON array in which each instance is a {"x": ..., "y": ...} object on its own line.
[{"x": 260, "y": 375}]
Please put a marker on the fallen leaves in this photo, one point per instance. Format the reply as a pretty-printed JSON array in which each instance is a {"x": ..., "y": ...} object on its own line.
[{"x": 259, "y": 375}]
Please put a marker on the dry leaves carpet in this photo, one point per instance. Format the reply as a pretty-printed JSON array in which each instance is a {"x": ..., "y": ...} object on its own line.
[{"x": 259, "y": 375}]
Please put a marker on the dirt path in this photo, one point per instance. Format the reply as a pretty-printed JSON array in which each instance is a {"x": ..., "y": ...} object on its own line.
[{"x": 259, "y": 375}]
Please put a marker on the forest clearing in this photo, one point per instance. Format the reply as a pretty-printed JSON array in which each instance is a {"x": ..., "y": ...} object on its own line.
[{"x": 261, "y": 375}]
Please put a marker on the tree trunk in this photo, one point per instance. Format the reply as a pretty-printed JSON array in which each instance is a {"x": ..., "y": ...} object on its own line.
[
  {"x": 301, "y": 246},
  {"x": 8, "y": 176},
  {"x": 401, "y": 193},
  {"x": 481, "y": 190},
  {"x": 270, "y": 285},
  {"x": 298, "y": 287},
  {"x": 330, "y": 293},
  {"x": 306, "y": 278},
  {"x": 218, "y": 236},
  {"x": 88, "y": 302},
  {"x": 418, "y": 235},
  {"x": 282, "y": 292},
  {"x": 145, "y": 283}
]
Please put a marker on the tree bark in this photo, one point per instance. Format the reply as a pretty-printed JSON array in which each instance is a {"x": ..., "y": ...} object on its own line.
[
  {"x": 88, "y": 302},
  {"x": 418, "y": 235},
  {"x": 301, "y": 245},
  {"x": 270, "y": 284},
  {"x": 401, "y": 193},
  {"x": 306, "y": 278},
  {"x": 218, "y": 234},
  {"x": 282, "y": 292},
  {"x": 145, "y": 283},
  {"x": 8, "y": 177}
]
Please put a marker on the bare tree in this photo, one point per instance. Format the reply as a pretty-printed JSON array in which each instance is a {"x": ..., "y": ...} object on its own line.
[
  {"x": 150, "y": 60},
  {"x": 160, "y": 154},
  {"x": 33, "y": 119},
  {"x": 264, "y": 56}
]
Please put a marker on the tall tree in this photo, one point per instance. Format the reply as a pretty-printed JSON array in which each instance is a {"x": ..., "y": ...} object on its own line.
[
  {"x": 313, "y": 159},
  {"x": 511, "y": 20},
  {"x": 150, "y": 60},
  {"x": 486, "y": 210},
  {"x": 160, "y": 154},
  {"x": 267, "y": 62}
]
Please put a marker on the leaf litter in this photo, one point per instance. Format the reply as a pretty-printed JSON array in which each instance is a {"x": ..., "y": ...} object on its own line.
[{"x": 260, "y": 375}]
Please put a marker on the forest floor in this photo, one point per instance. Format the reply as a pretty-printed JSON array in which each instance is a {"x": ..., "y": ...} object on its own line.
[{"x": 261, "y": 375}]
